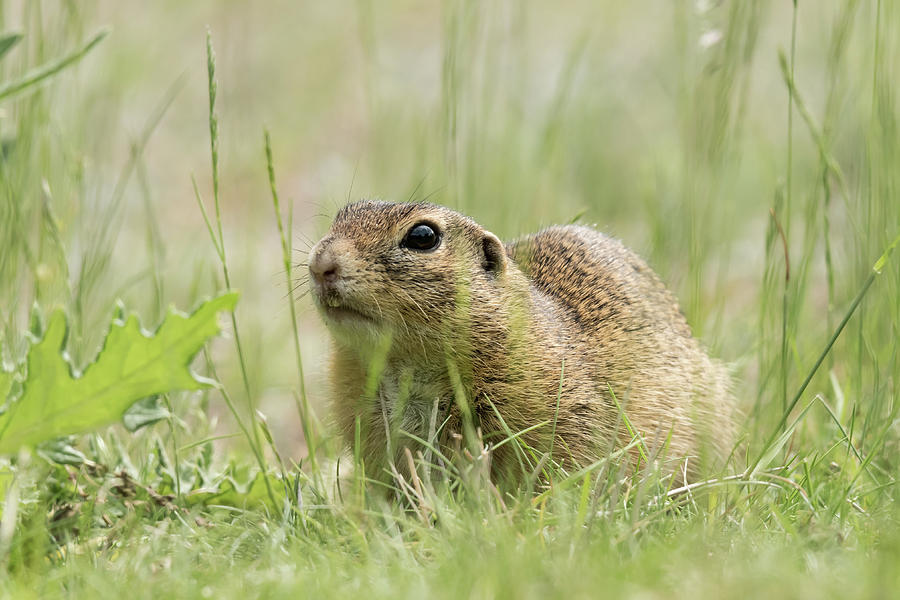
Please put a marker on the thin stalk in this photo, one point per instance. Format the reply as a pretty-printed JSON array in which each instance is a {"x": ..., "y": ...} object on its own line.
[
  {"x": 253, "y": 436},
  {"x": 827, "y": 158},
  {"x": 240, "y": 423},
  {"x": 787, "y": 212},
  {"x": 97, "y": 255},
  {"x": 155, "y": 250},
  {"x": 562, "y": 374},
  {"x": 829, "y": 266},
  {"x": 784, "y": 312},
  {"x": 174, "y": 433},
  {"x": 790, "y": 121},
  {"x": 876, "y": 57},
  {"x": 286, "y": 251}
]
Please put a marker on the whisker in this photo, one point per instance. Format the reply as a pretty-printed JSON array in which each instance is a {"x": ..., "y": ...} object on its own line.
[
  {"x": 377, "y": 305},
  {"x": 417, "y": 188},
  {"x": 413, "y": 300},
  {"x": 434, "y": 193},
  {"x": 282, "y": 272},
  {"x": 305, "y": 239},
  {"x": 296, "y": 298},
  {"x": 405, "y": 325},
  {"x": 352, "y": 181}
]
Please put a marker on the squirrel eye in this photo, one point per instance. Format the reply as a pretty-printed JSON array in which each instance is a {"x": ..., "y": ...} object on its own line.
[{"x": 422, "y": 237}]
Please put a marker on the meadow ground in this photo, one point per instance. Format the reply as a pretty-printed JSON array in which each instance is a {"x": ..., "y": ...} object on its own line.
[{"x": 750, "y": 150}]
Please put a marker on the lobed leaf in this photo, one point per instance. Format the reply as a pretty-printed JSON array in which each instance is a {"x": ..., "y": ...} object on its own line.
[{"x": 131, "y": 365}]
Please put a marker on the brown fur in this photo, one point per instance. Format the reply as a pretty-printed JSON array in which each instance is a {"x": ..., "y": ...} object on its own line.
[{"x": 565, "y": 316}]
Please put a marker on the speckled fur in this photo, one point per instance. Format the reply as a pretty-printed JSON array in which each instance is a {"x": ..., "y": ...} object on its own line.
[{"x": 566, "y": 315}]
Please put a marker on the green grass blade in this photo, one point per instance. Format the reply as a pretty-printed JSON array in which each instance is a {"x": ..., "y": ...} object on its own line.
[
  {"x": 8, "y": 41},
  {"x": 876, "y": 270},
  {"x": 39, "y": 74}
]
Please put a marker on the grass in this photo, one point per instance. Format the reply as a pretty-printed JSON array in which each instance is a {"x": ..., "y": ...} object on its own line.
[{"x": 750, "y": 150}]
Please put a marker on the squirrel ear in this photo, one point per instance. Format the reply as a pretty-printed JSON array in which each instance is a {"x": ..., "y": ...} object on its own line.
[{"x": 494, "y": 255}]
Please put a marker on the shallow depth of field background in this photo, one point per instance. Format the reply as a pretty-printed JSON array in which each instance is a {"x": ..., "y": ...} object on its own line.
[{"x": 663, "y": 123}]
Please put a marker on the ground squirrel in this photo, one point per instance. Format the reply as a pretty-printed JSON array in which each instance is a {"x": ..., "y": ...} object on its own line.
[{"x": 437, "y": 324}]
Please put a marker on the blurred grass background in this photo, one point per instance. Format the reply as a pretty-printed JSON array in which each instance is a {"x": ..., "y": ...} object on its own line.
[
  {"x": 665, "y": 123},
  {"x": 669, "y": 131}
]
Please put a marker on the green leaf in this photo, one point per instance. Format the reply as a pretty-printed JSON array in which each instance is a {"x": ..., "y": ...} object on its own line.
[
  {"x": 240, "y": 492},
  {"x": 62, "y": 452},
  {"x": 143, "y": 413},
  {"x": 6, "y": 381},
  {"x": 7, "y": 41},
  {"x": 131, "y": 365}
]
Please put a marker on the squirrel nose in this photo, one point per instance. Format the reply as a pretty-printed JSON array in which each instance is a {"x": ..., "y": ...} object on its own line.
[{"x": 324, "y": 267}]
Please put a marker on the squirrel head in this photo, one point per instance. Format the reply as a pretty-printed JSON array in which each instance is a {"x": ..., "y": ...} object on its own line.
[{"x": 405, "y": 268}]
